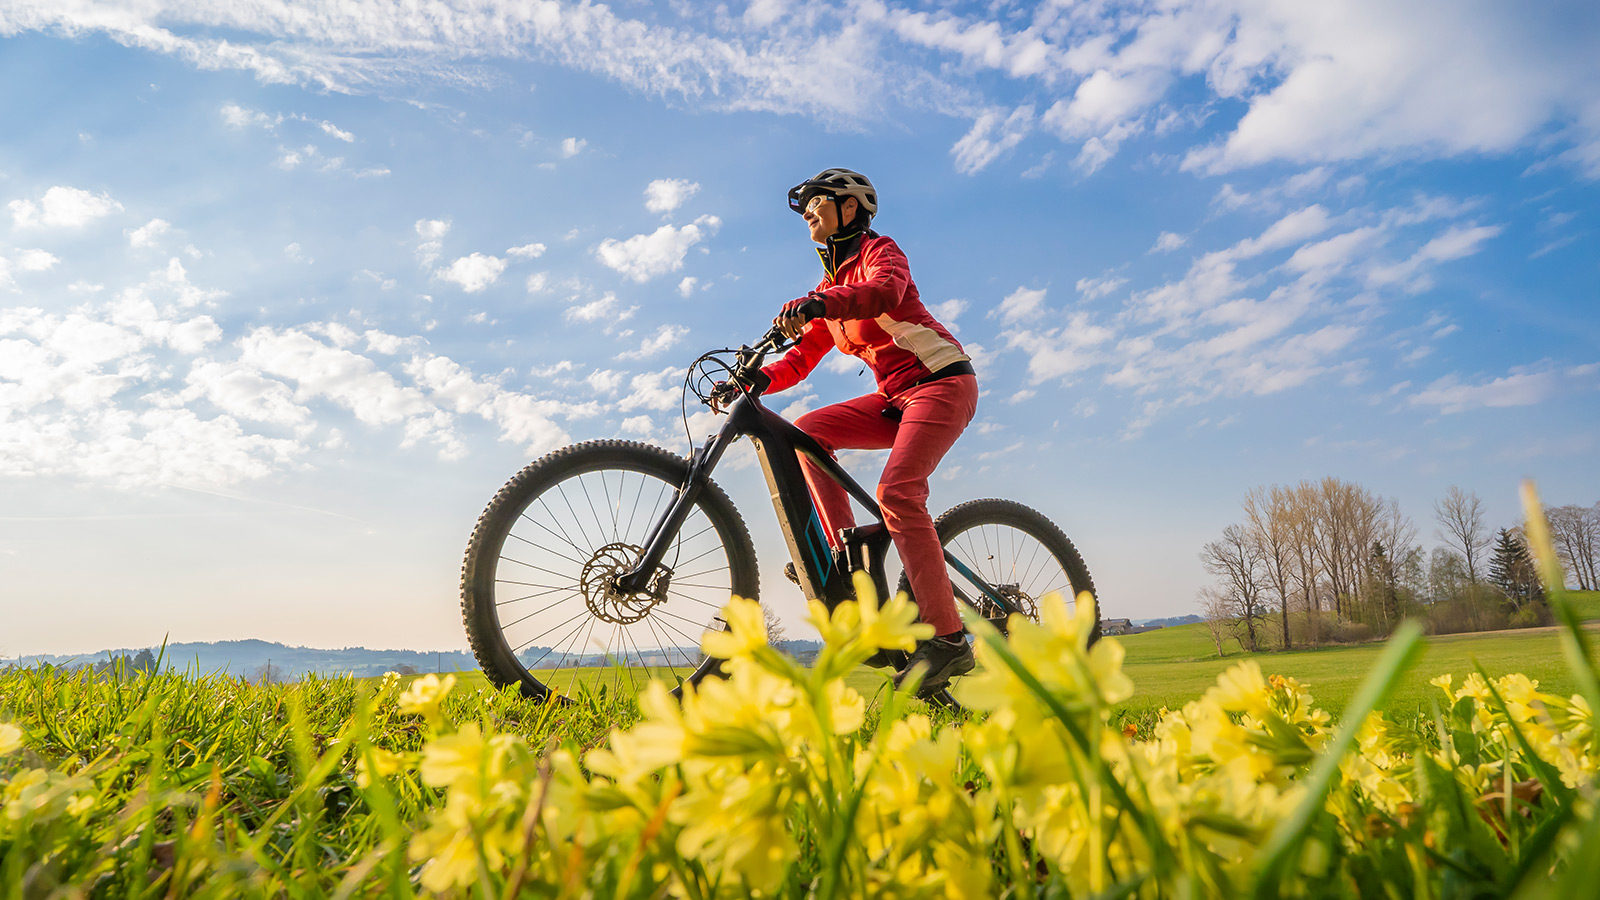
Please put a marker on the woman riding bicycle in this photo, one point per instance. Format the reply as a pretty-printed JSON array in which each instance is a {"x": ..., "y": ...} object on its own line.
[{"x": 868, "y": 307}]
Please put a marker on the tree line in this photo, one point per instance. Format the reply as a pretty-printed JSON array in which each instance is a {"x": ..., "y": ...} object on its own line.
[{"x": 1331, "y": 561}]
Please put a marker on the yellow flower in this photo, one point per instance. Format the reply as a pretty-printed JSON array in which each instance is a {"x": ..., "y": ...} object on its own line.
[
  {"x": 452, "y": 859},
  {"x": 384, "y": 763},
  {"x": 454, "y": 760},
  {"x": 10, "y": 738},
  {"x": 648, "y": 747},
  {"x": 79, "y": 805},
  {"x": 733, "y": 823},
  {"x": 1443, "y": 683},
  {"x": 1056, "y": 652},
  {"x": 424, "y": 695},
  {"x": 747, "y": 631},
  {"x": 846, "y": 708},
  {"x": 892, "y": 626},
  {"x": 1241, "y": 689}
]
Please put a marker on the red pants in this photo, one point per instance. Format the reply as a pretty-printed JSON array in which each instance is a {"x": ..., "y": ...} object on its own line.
[{"x": 933, "y": 416}]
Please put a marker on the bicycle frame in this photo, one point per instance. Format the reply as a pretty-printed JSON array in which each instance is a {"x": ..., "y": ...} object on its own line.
[{"x": 780, "y": 445}]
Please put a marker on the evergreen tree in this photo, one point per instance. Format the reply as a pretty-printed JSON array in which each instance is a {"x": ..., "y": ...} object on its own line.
[
  {"x": 1511, "y": 569},
  {"x": 1382, "y": 577}
]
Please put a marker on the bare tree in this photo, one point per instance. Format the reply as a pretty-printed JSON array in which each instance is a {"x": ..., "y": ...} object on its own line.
[
  {"x": 1575, "y": 530},
  {"x": 1217, "y": 613},
  {"x": 267, "y": 673},
  {"x": 1267, "y": 513},
  {"x": 1302, "y": 518},
  {"x": 1236, "y": 562},
  {"x": 775, "y": 632},
  {"x": 1347, "y": 517},
  {"x": 1460, "y": 517},
  {"x": 1447, "y": 574}
]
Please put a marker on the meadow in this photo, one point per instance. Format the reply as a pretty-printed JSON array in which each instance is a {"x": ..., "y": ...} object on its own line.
[
  {"x": 1175, "y": 665},
  {"x": 810, "y": 782}
]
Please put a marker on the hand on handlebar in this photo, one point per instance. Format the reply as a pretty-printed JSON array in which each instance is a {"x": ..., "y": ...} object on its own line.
[{"x": 796, "y": 313}]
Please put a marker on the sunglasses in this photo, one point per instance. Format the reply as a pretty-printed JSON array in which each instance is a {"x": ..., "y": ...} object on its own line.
[{"x": 808, "y": 203}]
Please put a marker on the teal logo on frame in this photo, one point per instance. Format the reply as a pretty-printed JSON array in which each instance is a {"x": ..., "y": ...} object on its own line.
[{"x": 817, "y": 547}]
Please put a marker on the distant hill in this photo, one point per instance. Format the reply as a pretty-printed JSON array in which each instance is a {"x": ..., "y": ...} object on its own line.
[
  {"x": 1168, "y": 622},
  {"x": 247, "y": 657}
]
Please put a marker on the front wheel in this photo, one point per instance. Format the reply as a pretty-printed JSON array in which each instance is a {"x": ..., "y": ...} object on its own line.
[
  {"x": 1021, "y": 554},
  {"x": 537, "y": 585}
]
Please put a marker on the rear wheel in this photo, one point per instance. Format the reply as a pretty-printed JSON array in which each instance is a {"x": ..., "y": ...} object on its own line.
[
  {"x": 1019, "y": 552},
  {"x": 537, "y": 585}
]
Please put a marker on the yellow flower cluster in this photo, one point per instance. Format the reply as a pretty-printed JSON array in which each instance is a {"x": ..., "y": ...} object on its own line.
[{"x": 768, "y": 779}]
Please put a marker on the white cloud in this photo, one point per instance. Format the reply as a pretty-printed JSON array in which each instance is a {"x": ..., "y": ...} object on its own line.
[
  {"x": 432, "y": 232},
  {"x": 35, "y": 261},
  {"x": 646, "y": 256},
  {"x": 686, "y": 286},
  {"x": 1095, "y": 288},
  {"x": 603, "y": 308},
  {"x": 243, "y": 392},
  {"x": 664, "y": 340},
  {"x": 63, "y": 207},
  {"x": 537, "y": 281},
  {"x": 136, "y": 391},
  {"x": 473, "y": 273},
  {"x": 1442, "y": 81},
  {"x": 571, "y": 147},
  {"x": 1413, "y": 274},
  {"x": 147, "y": 234},
  {"x": 1291, "y": 229},
  {"x": 526, "y": 251},
  {"x": 667, "y": 194},
  {"x": 1167, "y": 242},
  {"x": 239, "y": 117},
  {"x": 1333, "y": 254},
  {"x": 1452, "y": 395},
  {"x": 1429, "y": 78},
  {"x": 335, "y": 131},
  {"x": 522, "y": 418},
  {"x": 993, "y": 134},
  {"x": 948, "y": 311},
  {"x": 842, "y": 364},
  {"x": 654, "y": 390},
  {"x": 1061, "y": 351},
  {"x": 605, "y": 380},
  {"x": 1020, "y": 304}
]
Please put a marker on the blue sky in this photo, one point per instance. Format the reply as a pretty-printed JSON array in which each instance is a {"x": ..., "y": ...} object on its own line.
[{"x": 288, "y": 290}]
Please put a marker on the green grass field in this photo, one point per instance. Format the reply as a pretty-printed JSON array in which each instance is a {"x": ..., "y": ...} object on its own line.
[
  {"x": 1587, "y": 604},
  {"x": 1172, "y": 666},
  {"x": 1175, "y": 665}
]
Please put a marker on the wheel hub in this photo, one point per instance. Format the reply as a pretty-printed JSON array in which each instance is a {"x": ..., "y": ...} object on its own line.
[{"x": 599, "y": 585}]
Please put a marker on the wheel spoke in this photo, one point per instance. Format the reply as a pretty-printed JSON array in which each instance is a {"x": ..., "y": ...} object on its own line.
[{"x": 577, "y": 524}]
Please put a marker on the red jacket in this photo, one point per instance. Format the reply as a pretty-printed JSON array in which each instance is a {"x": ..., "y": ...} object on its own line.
[{"x": 873, "y": 313}]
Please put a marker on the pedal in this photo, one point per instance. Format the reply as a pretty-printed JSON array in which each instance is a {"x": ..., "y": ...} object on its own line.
[{"x": 790, "y": 573}]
